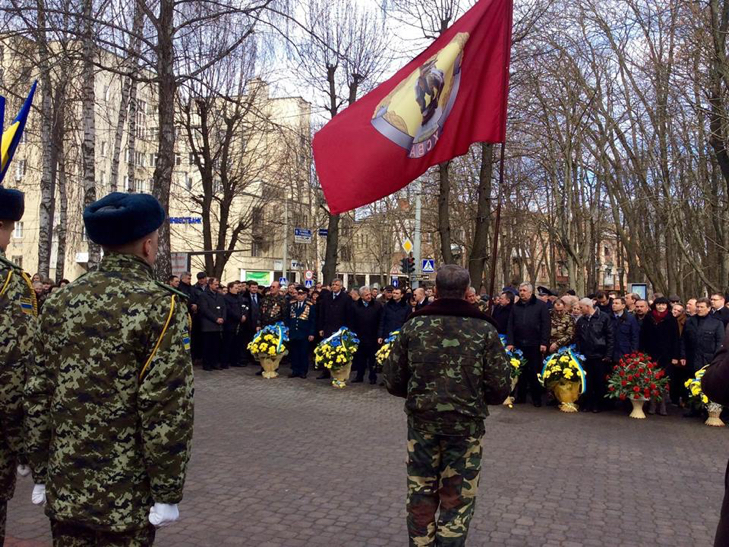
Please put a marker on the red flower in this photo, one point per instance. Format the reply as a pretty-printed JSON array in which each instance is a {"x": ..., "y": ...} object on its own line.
[
  {"x": 650, "y": 365},
  {"x": 636, "y": 389},
  {"x": 631, "y": 367},
  {"x": 659, "y": 375},
  {"x": 636, "y": 396},
  {"x": 612, "y": 388},
  {"x": 622, "y": 373},
  {"x": 623, "y": 383},
  {"x": 630, "y": 377},
  {"x": 653, "y": 386},
  {"x": 655, "y": 393},
  {"x": 641, "y": 370},
  {"x": 615, "y": 367},
  {"x": 647, "y": 392},
  {"x": 622, "y": 396}
]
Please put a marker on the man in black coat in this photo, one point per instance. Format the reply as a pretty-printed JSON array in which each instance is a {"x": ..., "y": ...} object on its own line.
[
  {"x": 594, "y": 335},
  {"x": 364, "y": 320},
  {"x": 502, "y": 312},
  {"x": 719, "y": 309},
  {"x": 528, "y": 329},
  {"x": 394, "y": 314},
  {"x": 196, "y": 292},
  {"x": 212, "y": 310},
  {"x": 715, "y": 385},
  {"x": 236, "y": 308},
  {"x": 332, "y": 314}
]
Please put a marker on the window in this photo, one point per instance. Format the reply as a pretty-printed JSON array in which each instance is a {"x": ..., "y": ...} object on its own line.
[
  {"x": 141, "y": 119},
  {"x": 188, "y": 181},
  {"x": 103, "y": 149},
  {"x": 20, "y": 169},
  {"x": 127, "y": 155},
  {"x": 18, "y": 260},
  {"x": 18, "y": 232},
  {"x": 84, "y": 237},
  {"x": 345, "y": 253},
  {"x": 152, "y": 160},
  {"x": 606, "y": 250},
  {"x": 102, "y": 177},
  {"x": 139, "y": 185},
  {"x": 178, "y": 159},
  {"x": 191, "y": 158},
  {"x": 107, "y": 92},
  {"x": 139, "y": 158},
  {"x": 217, "y": 186},
  {"x": 257, "y": 248},
  {"x": 127, "y": 187}
]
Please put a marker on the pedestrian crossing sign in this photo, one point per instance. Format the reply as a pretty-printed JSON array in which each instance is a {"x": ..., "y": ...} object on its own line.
[
  {"x": 428, "y": 265},
  {"x": 309, "y": 283}
]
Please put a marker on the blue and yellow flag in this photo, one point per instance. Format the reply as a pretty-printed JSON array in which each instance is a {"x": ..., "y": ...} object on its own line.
[{"x": 11, "y": 136}]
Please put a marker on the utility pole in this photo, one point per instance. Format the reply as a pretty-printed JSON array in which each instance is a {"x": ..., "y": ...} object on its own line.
[
  {"x": 286, "y": 235},
  {"x": 417, "y": 236}
]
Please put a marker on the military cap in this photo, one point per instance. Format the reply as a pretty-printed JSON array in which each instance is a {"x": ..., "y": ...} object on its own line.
[
  {"x": 12, "y": 204},
  {"x": 544, "y": 291},
  {"x": 674, "y": 298},
  {"x": 119, "y": 218},
  {"x": 302, "y": 288}
]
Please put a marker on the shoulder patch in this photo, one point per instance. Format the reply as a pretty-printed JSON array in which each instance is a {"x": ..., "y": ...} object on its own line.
[{"x": 172, "y": 290}]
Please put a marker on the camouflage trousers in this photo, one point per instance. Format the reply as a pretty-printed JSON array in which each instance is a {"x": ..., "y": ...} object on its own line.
[
  {"x": 3, "y": 518},
  {"x": 443, "y": 472},
  {"x": 66, "y": 534}
]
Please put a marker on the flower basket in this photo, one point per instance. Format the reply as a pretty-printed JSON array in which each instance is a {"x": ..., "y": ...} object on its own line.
[
  {"x": 341, "y": 375},
  {"x": 336, "y": 353},
  {"x": 518, "y": 362},
  {"x": 268, "y": 347},
  {"x": 384, "y": 352},
  {"x": 714, "y": 418},
  {"x": 563, "y": 374},
  {"x": 636, "y": 378},
  {"x": 637, "y": 412},
  {"x": 698, "y": 398}
]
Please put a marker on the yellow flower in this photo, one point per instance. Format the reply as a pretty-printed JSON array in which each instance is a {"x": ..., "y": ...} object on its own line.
[
  {"x": 515, "y": 363},
  {"x": 564, "y": 359},
  {"x": 704, "y": 399},
  {"x": 264, "y": 346},
  {"x": 547, "y": 373},
  {"x": 272, "y": 351},
  {"x": 568, "y": 373}
]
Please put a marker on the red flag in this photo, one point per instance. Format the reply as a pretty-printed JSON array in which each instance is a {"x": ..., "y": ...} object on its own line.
[{"x": 450, "y": 96}]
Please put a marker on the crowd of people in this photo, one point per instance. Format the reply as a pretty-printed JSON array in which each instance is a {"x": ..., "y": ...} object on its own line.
[{"x": 680, "y": 337}]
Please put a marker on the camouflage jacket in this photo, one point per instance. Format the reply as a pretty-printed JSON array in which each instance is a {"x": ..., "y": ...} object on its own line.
[
  {"x": 563, "y": 329},
  {"x": 18, "y": 308},
  {"x": 109, "y": 401},
  {"x": 449, "y": 363},
  {"x": 273, "y": 309}
]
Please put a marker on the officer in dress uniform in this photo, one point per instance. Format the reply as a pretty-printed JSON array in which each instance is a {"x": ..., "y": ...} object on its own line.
[
  {"x": 302, "y": 328},
  {"x": 18, "y": 309},
  {"x": 109, "y": 405}
]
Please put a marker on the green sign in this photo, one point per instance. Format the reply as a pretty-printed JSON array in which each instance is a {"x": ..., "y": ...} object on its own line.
[{"x": 264, "y": 278}]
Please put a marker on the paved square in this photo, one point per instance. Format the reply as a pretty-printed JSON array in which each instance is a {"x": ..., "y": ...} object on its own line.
[{"x": 295, "y": 462}]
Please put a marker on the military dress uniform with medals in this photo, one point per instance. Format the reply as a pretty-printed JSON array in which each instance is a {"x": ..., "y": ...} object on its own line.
[{"x": 302, "y": 324}]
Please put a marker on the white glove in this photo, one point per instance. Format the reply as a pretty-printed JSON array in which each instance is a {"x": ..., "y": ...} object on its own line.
[
  {"x": 38, "y": 497},
  {"x": 23, "y": 470},
  {"x": 163, "y": 514}
]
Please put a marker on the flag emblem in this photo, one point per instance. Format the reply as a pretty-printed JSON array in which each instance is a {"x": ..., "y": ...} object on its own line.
[
  {"x": 186, "y": 342},
  {"x": 412, "y": 115}
]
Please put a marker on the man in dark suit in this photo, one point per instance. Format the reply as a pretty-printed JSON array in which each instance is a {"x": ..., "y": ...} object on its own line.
[
  {"x": 301, "y": 321},
  {"x": 364, "y": 321},
  {"x": 719, "y": 309},
  {"x": 333, "y": 309},
  {"x": 213, "y": 312}
]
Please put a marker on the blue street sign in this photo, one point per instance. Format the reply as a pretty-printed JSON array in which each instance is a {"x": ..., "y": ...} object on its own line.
[
  {"x": 309, "y": 283},
  {"x": 323, "y": 232},
  {"x": 283, "y": 281},
  {"x": 394, "y": 281},
  {"x": 428, "y": 265}
]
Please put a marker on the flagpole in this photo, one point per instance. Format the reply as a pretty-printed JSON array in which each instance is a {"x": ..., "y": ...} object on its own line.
[{"x": 497, "y": 228}]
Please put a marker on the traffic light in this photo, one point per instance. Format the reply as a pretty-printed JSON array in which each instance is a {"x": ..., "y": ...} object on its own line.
[
  {"x": 405, "y": 265},
  {"x": 411, "y": 265}
]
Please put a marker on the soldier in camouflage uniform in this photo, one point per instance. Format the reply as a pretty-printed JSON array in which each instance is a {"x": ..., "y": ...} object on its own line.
[
  {"x": 563, "y": 327},
  {"x": 18, "y": 308},
  {"x": 273, "y": 308},
  {"x": 449, "y": 363},
  {"x": 109, "y": 402}
]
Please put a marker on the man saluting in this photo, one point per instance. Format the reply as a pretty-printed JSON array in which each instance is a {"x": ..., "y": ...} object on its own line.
[
  {"x": 109, "y": 400},
  {"x": 449, "y": 363}
]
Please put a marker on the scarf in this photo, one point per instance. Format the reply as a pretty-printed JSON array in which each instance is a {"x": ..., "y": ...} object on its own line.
[{"x": 658, "y": 316}]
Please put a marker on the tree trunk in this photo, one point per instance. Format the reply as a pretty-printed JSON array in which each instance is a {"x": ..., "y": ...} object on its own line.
[
  {"x": 444, "y": 212},
  {"x": 62, "y": 214},
  {"x": 166, "y": 155},
  {"x": 480, "y": 248},
  {"x": 47, "y": 185},
  {"x": 88, "y": 150},
  {"x": 330, "y": 258}
]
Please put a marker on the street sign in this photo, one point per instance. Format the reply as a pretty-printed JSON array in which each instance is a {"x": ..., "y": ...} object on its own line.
[
  {"x": 428, "y": 265},
  {"x": 283, "y": 281},
  {"x": 180, "y": 263},
  {"x": 394, "y": 281},
  {"x": 407, "y": 245},
  {"x": 309, "y": 283},
  {"x": 309, "y": 275},
  {"x": 323, "y": 232},
  {"x": 302, "y": 235}
]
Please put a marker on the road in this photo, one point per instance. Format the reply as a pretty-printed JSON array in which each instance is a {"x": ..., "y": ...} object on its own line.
[{"x": 291, "y": 462}]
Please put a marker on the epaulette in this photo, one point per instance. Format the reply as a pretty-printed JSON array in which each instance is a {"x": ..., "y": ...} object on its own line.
[
  {"x": 172, "y": 290},
  {"x": 9, "y": 264}
]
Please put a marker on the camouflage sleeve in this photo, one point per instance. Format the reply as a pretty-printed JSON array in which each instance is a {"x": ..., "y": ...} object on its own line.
[
  {"x": 496, "y": 374},
  {"x": 165, "y": 406},
  {"x": 39, "y": 387},
  {"x": 566, "y": 333},
  {"x": 17, "y": 332},
  {"x": 395, "y": 368}
]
